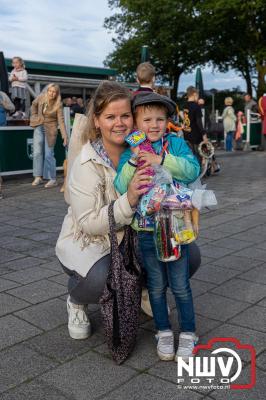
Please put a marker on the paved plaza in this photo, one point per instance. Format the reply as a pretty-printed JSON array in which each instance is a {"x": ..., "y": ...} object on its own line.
[{"x": 38, "y": 360}]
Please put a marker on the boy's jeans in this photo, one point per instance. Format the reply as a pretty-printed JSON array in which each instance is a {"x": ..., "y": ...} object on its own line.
[
  {"x": 43, "y": 164},
  {"x": 174, "y": 274},
  {"x": 229, "y": 141}
]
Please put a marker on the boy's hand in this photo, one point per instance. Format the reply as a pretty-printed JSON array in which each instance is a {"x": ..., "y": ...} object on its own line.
[{"x": 149, "y": 158}]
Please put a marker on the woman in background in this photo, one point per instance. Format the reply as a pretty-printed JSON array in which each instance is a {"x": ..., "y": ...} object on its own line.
[
  {"x": 46, "y": 115},
  {"x": 229, "y": 122}
]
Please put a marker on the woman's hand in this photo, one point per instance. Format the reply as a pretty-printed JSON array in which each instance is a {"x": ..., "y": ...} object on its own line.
[
  {"x": 65, "y": 141},
  {"x": 133, "y": 192},
  {"x": 149, "y": 158}
]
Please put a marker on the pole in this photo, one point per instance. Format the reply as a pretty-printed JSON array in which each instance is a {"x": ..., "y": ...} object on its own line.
[
  {"x": 145, "y": 53},
  {"x": 247, "y": 145}
]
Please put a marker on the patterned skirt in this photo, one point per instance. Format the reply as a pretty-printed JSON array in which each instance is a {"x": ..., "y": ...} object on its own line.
[{"x": 18, "y": 92}]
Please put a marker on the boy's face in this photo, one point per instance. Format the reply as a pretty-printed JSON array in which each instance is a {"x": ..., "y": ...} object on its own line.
[{"x": 151, "y": 120}]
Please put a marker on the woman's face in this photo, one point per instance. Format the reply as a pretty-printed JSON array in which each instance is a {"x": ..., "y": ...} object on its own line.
[
  {"x": 115, "y": 122},
  {"x": 52, "y": 93}
]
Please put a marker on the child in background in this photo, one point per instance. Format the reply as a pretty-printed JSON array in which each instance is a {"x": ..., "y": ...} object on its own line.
[
  {"x": 145, "y": 78},
  {"x": 18, "y": 79},
  {"x": 151, "y": 113}
]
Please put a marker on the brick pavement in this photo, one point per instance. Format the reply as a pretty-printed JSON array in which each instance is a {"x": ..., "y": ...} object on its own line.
[{"x": 37, "y": 358}]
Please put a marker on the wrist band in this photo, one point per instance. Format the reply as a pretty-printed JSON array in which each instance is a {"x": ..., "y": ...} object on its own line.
[{"x": 132, "y": 163}]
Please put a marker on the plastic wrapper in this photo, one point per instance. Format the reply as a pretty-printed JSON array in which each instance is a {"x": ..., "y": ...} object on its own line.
[
  {"x": 151, "y": 201},
  {"x": 178, "y": 198},
  {"x": 167, "y": 248}
]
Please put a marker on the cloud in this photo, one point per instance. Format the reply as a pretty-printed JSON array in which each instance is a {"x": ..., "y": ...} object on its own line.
[
  {"x": 58, "y": 31},
  {"x": 212, "y": 80}
]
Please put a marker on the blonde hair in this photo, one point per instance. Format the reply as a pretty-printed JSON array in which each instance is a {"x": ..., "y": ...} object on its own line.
[
  {"x": 106, "y": 93},
  {"x": 145, "y": 72},
  {"x": 20, "y": 60},
  {"x": 53, "y": 104},
  {"x": 228, "y": 101}
]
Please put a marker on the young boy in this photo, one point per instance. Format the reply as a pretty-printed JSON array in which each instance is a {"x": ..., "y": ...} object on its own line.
[
  {"x": 151, "y": 112},
  {"x": 194, "y": 132},
  {"x": 145, "y": 78}
]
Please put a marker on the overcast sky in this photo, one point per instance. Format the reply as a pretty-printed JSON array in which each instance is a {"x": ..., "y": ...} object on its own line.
[{"x": 72, "y": 32}]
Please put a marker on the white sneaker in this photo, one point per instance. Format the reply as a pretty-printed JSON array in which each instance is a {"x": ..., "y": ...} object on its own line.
[
  {"x": 51, "y": 183},
  {"x": 79, "y": 326},
  {"x": 187, "y": 342},
  {"x": 165, "y": 345},
  {"x": 37, "y": 181},
  {"x": 146, "y": 305}
]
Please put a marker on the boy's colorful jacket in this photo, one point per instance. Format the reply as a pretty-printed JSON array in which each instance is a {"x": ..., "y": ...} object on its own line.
[{"x": 179, "y": 161}]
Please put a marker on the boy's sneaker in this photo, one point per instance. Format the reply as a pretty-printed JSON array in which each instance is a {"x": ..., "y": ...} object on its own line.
[
  {"x": 165, "y": 345},
  {"x": 187, "y": 342},
  {"x": 79, "y": 326}
]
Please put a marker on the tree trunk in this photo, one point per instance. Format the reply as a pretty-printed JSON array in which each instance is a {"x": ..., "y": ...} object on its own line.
[
  {"x": 248, "y": 82},
  {"x": 175, "y": 86},
  {"x": 261, "y": 68}
]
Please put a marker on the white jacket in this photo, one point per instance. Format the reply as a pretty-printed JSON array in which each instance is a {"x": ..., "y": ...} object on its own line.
[
  {"x": 83, "y": 239},
  {"x": 229, "y": 119},
  {"x": 22, "y": 76}
]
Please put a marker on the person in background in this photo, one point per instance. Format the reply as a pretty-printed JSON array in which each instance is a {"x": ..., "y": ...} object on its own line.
[
  {"x": 67, "y": 102},
  {"x": 250, "y": 104},
  {"x": 6, "y": 105},
  {"x": 145, "y": 78},
  {"x": 75, "y": 107},
  {"x": 81, "y": 104},
  {"x": 194, "y": 132},
  {"x": 229, "y": 122},
  {"x": 18, "y": 78},
  {"x": 46, "y": 115}
]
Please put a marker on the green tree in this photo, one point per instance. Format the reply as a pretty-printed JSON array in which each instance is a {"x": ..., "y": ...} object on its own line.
[
  {"x": 235, "y": 37},
  {"x": 168, "y": 27}
]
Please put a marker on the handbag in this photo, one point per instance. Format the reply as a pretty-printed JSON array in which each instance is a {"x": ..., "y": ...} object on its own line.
[{"x": 121, "y": 298}]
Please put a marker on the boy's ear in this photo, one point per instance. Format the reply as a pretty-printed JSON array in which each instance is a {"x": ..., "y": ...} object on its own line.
[{"x": 138, "y": 81}]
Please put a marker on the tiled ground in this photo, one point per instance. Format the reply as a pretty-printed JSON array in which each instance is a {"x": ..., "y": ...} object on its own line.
[{"x": 38, "y": 360}]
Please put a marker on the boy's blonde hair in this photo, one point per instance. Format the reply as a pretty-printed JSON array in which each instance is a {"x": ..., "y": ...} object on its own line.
[
  {"x": 145, "y": 73},
  {"x": 106, "y": 93},
  {"x": 228, "y": 101}
]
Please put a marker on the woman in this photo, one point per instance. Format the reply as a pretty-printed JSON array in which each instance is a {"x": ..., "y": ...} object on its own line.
[
  {"x": 229, "y": 122},
  {"x": 46, "y": 115},
  {"x": 83, "y": 240}
]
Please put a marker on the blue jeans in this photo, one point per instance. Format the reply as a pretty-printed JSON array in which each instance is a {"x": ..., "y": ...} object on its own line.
[
  {"x": 160, "y": 275},
  {"x": 229, "y": 141},
  {"x": 44, "y": 163}
]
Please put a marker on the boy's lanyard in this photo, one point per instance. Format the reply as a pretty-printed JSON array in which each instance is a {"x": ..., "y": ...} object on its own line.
[{"x": 165, "y": 144}]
